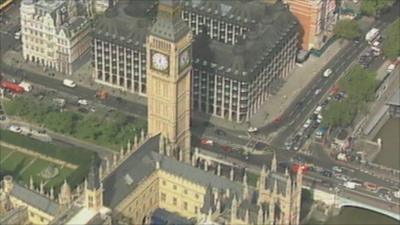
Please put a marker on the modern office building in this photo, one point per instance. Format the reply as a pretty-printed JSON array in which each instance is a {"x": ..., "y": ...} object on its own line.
[
  {"x": 317, "y": 19},
  {"x": 239, "y": 49},
  {"x": 54, "y": 33}
]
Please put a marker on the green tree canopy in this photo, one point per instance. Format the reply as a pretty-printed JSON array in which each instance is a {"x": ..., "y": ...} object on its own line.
[
  {"x": 359, "y": 84},
  {"x": 373, "y": 7},
  {"x": 347, "y": 29},
  {"x": 338, "y": 114},
  {"x": 391, "y": 43}
]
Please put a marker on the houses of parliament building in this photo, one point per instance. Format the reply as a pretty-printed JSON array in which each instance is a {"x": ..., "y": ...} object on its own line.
[{"x": 158, "y": 178}]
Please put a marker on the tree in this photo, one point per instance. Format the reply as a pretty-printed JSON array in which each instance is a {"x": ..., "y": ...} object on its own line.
[
  {"x": 338, "y": 114},
  {"x": 347, "y": 29},
  {"x": 391, "y": 44},
  {"x": 374, "y": 7},
  {"x": 62, "y": 122},
  {"x": 359, "y": 84}
]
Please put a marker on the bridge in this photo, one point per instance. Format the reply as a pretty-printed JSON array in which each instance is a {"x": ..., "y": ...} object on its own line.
[
  {"x": 337, "y": 198},
  {"x": 346, "y": 197},
  {"x": 343, "y": 202}
]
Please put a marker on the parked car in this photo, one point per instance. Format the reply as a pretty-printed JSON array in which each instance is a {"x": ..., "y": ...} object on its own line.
[
  {"x": 207, "y": 142},
  {"x": 326, "y": 173},
  {"x": 252, "y": 129},
  {"x": 318, "y": 91},
  {"x": 288, "y": 144},
  {"x": 15, "y": 129},
  {"x": 69, "y": 83},
  {"x": 83, "y": 102},
  {"x": 220, "y": 132},
  {"x": 307, "y": 123},
  {"x": 327, "y": 72},
  {"x": 337, "y": 169}
]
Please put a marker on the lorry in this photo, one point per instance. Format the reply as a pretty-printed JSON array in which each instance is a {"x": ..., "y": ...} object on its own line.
[
  {"x": 13, "y": 87},
  {"x": 26, "y": 86},
  {"x": 372, "y": 35}
]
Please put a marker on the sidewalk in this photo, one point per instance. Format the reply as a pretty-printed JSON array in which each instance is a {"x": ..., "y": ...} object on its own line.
[{"x": 298, "y": 79}]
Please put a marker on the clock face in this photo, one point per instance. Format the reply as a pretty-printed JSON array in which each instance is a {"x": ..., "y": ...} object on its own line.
[
  {"x": 184, "y": 58},
  {"x": 160, "y": 61}
]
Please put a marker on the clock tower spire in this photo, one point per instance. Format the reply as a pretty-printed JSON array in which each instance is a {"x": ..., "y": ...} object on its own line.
[{"x": 169, "y": 66}]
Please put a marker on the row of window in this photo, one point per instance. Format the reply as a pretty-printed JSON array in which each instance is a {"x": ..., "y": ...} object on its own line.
[{"x": 174, "y": 201}]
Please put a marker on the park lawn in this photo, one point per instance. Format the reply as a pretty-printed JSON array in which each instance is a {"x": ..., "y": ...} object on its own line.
[
  {"x": 16, "y": 162},
  {"x": 64, "y": 173},
  {"x": 34, "y": 171},
  {"x": 4, "y": 152}
]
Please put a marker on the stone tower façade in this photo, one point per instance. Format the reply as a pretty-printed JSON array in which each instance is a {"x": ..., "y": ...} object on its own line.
[{"x": 168, "y": 78}]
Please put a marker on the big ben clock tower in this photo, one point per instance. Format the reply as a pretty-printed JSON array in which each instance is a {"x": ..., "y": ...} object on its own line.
[{"x": 169, "y": 66}]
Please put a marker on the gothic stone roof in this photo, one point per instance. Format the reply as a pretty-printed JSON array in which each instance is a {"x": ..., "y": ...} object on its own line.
[
  {"x": 35, "y": 199},
  {"x": 142, "y": 164}
]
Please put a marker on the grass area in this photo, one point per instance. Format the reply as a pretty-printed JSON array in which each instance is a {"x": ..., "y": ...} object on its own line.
[
  {"x": 4, "y": 152},
  {"x": 110, "y": 129},
  {"x": 18, "y": 161},
  {"x": 64, "y": 174}
]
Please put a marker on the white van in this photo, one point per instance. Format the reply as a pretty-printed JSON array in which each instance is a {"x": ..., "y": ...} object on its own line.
[
  {"x": 327, "y": 72},
  {"x": 26, "y": 86},
  {"x": 69, "y": 83}
]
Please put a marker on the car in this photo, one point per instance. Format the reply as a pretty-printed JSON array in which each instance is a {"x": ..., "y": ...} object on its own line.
[
  {"x": 15, "y": 129},
  {"x": 299, "y": 159},
  {"x": 318, "y": 109},
  {"x": 69, "y": 83},
  {"x": 3, "y": 117},
  {"x": 42, "y": 131},
  {"x": 337, "y": 169},
  {"x": 327, "y": 72},
  {"x": 220, "y": 132},
  {"x": 207, "y": 142},
  {"x": 296, "y": 146},
  {"x": 318, "y": 91},
  {"x": 92, "y": 109},
  {"x": 319, "y": 118},
  {"x": 371, "y": 186},
  {"x": 83, "y": 110},
  {"x": 288, "y": 144},
  {"x": 342, "y": 177},
  {"x": 325, "y": 103},
  {"x": 226, "y": 148},
  {"x": 252, "y": 129},
  {"x": 307, "y": 123},
  {"x": 326, "y": 173},
  {"x": 83, "y": 102}
]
